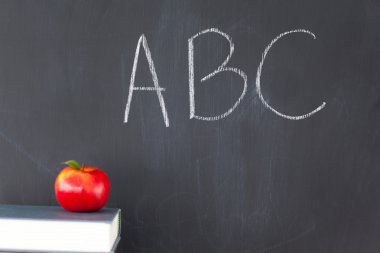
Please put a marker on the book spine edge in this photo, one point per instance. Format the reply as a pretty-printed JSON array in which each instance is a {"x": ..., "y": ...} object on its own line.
[{"x": 119, "y": 222}]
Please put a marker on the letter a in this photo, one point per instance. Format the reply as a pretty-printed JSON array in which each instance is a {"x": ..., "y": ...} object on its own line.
[{"x": 156, "y": 87}]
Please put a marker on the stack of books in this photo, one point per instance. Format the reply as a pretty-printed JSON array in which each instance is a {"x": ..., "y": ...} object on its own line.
[{"x": 52, "y": 229}]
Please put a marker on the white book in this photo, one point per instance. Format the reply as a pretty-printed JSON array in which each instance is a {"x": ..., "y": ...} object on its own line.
[{"x": 52, "y": 229}]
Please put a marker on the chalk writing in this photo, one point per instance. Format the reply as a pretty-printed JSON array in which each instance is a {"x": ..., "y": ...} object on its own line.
[
  {"x": 221, "y": 68},
  {"x": 258, "y": 76},
  {"x": 156, "y": 87}
]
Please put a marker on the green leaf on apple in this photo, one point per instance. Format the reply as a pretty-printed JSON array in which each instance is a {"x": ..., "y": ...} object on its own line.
[{"x": 73, "y": 164}]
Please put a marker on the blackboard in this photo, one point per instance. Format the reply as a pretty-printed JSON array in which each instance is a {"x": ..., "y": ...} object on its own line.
[{"x": 200, "y": 176}]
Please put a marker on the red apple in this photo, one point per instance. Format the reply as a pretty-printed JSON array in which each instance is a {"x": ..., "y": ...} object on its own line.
[{"x": 81, "y": 188}]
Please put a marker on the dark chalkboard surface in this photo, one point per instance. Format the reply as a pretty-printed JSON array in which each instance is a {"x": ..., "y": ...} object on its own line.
[{"x": 189, "y": 177}]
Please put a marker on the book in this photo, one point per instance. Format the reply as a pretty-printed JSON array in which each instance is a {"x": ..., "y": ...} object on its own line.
[{"x": 52, "y": 229}]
